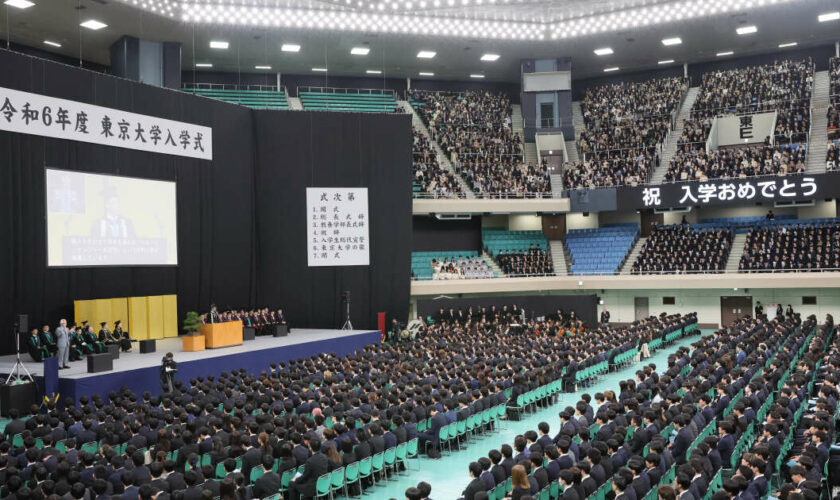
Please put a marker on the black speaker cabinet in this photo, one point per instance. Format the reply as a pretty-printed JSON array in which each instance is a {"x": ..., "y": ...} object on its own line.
[
  {"x": 98, "y": 363},
  {"x": 19, "y": 396},
  {"x": 249, "y": 333},
  {"x": 114, "y": 350},
  {"x": 147, "y": 346},
  {"x": 281, "y": 330},
  {"x": 23, "y": 323}
]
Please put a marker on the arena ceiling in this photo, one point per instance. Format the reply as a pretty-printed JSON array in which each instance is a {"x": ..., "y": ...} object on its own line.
[{"x": 456, "y": 33}]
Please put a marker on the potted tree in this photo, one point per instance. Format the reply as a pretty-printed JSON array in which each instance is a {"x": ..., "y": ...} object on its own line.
[{"x": 192, "y": 324}]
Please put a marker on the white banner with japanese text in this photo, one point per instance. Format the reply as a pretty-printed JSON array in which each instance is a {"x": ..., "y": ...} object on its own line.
[
  {"x": 338, "y": 227},
  {"x": 27, "y": 113},
  {"x": 744, "y": 129}
]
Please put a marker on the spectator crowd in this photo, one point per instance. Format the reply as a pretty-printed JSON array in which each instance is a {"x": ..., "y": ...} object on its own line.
[
  {"x": 432, "y": 178},
  {"x": 461, "y": 268},
  {"x": 681, "y": 248},
  {"x": 474, "y": 129},
  {"x": 531, "y": 262},
  {"x": 691, "y": 164},
  {"x": 834, "y": 99},
  {"x": 799, "y": 247}
]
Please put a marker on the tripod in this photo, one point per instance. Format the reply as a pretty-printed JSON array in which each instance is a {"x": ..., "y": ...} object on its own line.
[
  {"x": 347, "y": 324},
  {"x": 19, "y": 374}
]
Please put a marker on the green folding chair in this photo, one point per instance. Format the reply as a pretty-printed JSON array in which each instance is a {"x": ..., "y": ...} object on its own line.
[
  {"x": 365, "y": 470},
  {"x": 351, "y": 475},
  {"x": 256, "y": 473},
  {"x": 401, "y": 452},
  {"x": 337, "y": 482},
  {"x": 322, "y": 486}
]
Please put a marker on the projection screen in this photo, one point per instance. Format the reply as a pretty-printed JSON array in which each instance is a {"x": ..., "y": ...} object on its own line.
[{"x": 108, "y": 220}]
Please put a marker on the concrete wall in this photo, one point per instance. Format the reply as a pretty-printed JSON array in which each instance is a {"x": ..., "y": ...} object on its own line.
[
  {"x": 494, "y": 221},
  {"x": 578, "y": 221},
  {"x": 820, "y": 210},
  {"x": 619, "y": 217},
  {"x": 707, "y": 302},
  {"x": 524, "y": 223}
]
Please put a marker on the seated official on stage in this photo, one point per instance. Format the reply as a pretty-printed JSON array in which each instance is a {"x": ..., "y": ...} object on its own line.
[
  {"x": 48, "y": 339},
  {"x": 118, "y": 336},
  {"x": 259, "y": 319},
  {"x": 36, "y": 347},
  {"x": 123, "y": 336}
]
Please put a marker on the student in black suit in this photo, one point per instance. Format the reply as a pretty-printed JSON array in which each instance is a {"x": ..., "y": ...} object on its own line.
[
  {"x": 269, "y": 483},
  {"x": 567, "y": 481},
  {"x": 539, "y": 473},
  {"x": 476, "y": 484},
  {"x": 316, "y": 466}
]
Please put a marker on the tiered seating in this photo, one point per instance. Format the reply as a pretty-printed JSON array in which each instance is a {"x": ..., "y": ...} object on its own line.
[
  {"x": 474, "y": 130},
  {"x": 519, "y": 253},
  {"x": 430, "y": 180},
  {"x": 797, "y": 245},
  {"x": 784, "y": 86},
  {"x": 834, "y": 97},
  {"x": 421, "y": 263},
  {"x": 348, "y": 100},
  {"x": 696, "y": 164},
  {"x": 600, "y": 250},
  {"x": 625, "y": 127},
  {"x": 257, "y": 99},
  {"x": 684, "y": 249}
]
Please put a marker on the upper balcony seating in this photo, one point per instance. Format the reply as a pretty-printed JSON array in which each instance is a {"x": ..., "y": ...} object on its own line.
[{"x": 600, "y": 250}]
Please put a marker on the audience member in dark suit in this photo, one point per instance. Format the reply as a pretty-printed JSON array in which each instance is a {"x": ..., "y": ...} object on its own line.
[
  {"x": 315, "y": 467},
  {"x": 269, "y": 483},
  {"x": 476, "y": 484}
]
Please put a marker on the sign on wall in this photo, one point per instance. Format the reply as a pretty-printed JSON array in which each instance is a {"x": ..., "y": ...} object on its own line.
[
  {"x": 36, "y": 114},
  {"x": 749, "y": 191},
  {"x": 744, "y": 129},
  {"x": 338, "y": 227}
]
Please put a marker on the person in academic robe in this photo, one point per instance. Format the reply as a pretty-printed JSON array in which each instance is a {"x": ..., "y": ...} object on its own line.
[
  {"x": 214, "y": 314},
  {"x": 48, "y": 339},
  {"x": 122, "y": 336},
  {"x": 91, "y": 338},
  {"x": 281, "y": 319},
  {"x": 105, "y": 335},
  {"x": 78, "y": 346},
  {"x": 36, "y": 348}
]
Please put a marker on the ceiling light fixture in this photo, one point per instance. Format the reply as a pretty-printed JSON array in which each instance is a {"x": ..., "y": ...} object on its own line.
[
  {"x": 666, "y": 61},
  {"x": 290, "y": 47},
  {"x": 360, "y": 51},
  {"x": 203, "y": 65},
  {"x": 610, "y": 69},
  {"x": 474, "y": 75},
  {"x": 823, "y": 18},
  {"x": 93, "y": 24},
  {"x": 490, "y": 57},
  {"x": 373, "y": 72},
  {"x": 789, "y": 44},
  {"x": 51, "y": 43},
  {"x": 672, "y": 41},
  {"x": 727, "y": 53},
  {"x": 320, "y": 70},
  {"x": 218, "y": 44},
  {"x": 262, "y": 67},
  {"x": 603, "y": 52},
  {"x": 746, "y": 30},
  {"x": 426, "y": 54},
  {"x": 20, "y": 4},
  {"x": 426, "y": 73}
]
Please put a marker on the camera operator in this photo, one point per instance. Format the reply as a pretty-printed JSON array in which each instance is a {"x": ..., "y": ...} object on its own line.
[{"x": 168, "y": 369}]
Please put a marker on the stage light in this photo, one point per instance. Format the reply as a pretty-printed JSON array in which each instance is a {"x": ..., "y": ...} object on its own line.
[
  {"x": 603, "y": 52},
  {"x": 746, "y": 30},
  {"x": 290, "y": 47},
  {"x": 20, "y": 4},
  {"x": 426, "y": 54},
  {"x": 824, "y": 18},
  {"x": 490, "y": 57},
  {"x": 219, "y": 45},
  {"x": 359, "y": 51},
  {"x": 672, "y": 41}
]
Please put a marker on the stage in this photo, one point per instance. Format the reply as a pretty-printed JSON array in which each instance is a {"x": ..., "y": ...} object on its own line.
[{"x": 141, "y": 372}]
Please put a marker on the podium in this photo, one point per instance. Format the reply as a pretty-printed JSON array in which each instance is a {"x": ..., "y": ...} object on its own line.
[
  {"x": 222, "y": 334},
  {"x": 193, "y": 343}
]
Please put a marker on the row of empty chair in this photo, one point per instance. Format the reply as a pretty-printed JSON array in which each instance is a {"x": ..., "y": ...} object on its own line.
[
  {"x": 600, "y": 250},
  {"x": 333, "y": 100},
  {"x": 496, "y": 240},
  {"x": 257, "y": 99}
]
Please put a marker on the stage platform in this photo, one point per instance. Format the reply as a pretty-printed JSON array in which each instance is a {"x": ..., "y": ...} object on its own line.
[{"x": 141, "y": 372}]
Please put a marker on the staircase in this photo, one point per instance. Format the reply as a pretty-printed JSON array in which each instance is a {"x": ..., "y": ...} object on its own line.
[
  {"x": 736, "y": 252},
  {"x": 571, "y": 150},
  {"x": 493, "y": 265},
  {"x": 577, "y": 120},
  {"x": 294, "y": 103},
  {"x": 517, "y": 125},
  {"x": 670, "y": 147},
  {"x": 558, "y": 257},
  {"x": 633, "y": 255},
  {"x": 818, "y": 140},
  {"x": 531, "y": 157},
  {"x": 556, "y": 185},
  {"x": 443, "y": 160}
]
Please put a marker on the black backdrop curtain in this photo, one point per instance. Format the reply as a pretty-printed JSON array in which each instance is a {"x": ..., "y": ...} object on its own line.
[{"x": 222, "y": 236}]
